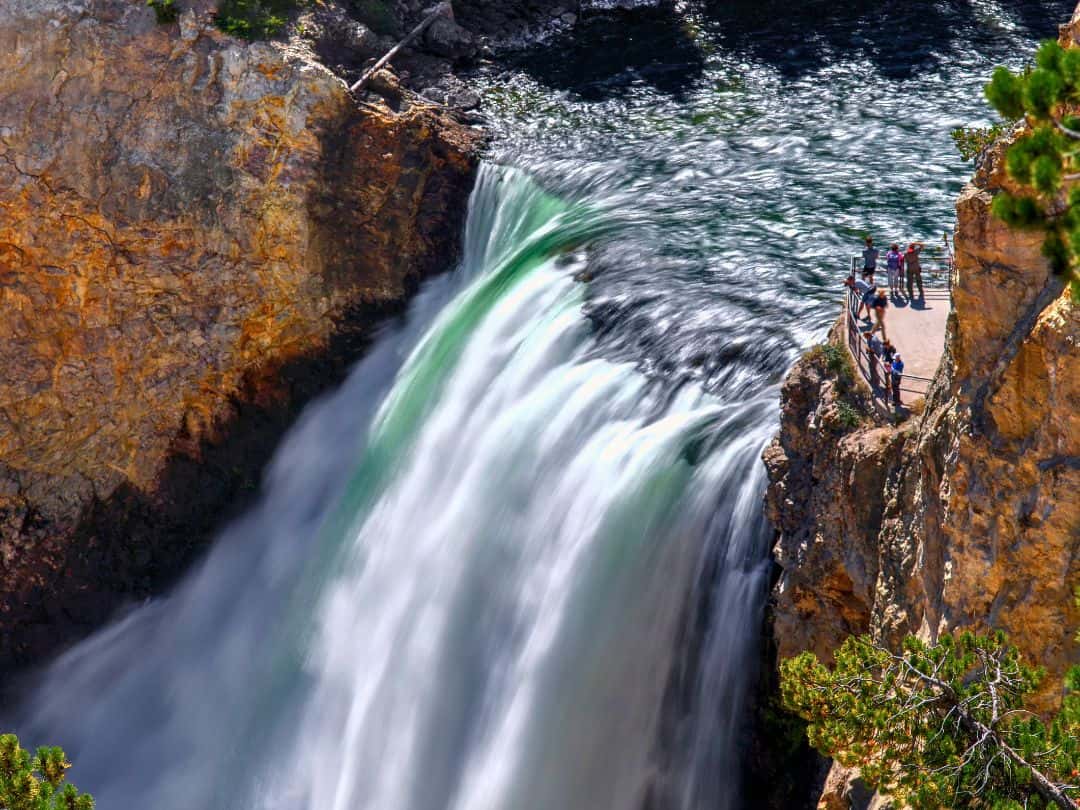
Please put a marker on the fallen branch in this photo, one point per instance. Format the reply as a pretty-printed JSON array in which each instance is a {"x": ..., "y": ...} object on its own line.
[{"x": 439, "y": 10}]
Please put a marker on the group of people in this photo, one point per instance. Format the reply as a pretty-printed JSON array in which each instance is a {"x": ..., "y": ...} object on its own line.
[{"x": 901, "y": 266}]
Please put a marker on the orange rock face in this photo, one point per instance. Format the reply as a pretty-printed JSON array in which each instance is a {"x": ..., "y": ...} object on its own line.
[
  {"x": 973, "y": 518},
  {"x": 182, "y": 216}
]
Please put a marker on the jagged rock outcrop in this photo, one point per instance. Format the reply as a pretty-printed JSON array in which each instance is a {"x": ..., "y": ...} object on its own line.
[
  {"x": 967, "y": 516},
  {"x": 828, "y": 481},
  {"x": 183, "y": 218}
]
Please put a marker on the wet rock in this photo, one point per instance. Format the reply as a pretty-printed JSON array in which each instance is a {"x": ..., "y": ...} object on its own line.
[
  {"x": 464, "y": 99},
  {"x": 446, "y": 38},
  {"x": 436, "y": 94}
]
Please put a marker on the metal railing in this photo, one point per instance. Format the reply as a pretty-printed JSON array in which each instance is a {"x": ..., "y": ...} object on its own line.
[
  {"x": 885, "y": 388},
  {"x": 936, "y": 267}
]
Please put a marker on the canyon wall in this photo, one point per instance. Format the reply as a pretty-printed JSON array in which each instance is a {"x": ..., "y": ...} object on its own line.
[
  {"x": 967, "y": 515},
  {"x": 187, "y": 223}
]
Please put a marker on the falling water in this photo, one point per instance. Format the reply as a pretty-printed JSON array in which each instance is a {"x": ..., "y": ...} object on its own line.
[
  {"x": 484, "y": 616},
  {"x": 481, "y": 567}
]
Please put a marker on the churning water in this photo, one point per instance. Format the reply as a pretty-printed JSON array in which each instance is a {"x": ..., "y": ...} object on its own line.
[{"x": 477, "y": 567}]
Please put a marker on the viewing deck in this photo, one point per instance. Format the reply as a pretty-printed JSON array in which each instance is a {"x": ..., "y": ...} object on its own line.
[{"x": 916, "y": 327}]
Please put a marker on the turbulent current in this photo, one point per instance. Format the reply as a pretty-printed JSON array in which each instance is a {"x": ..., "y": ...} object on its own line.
[{"x": 517, "y": 561}]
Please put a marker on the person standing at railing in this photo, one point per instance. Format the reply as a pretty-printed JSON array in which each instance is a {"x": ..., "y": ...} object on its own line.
[
  {"x": 871, "y": 359},
  {"x": 894, "y": 261},
  {"x": 913, "y": 269},
  {"x": 870, "y": 256},
  {"x": 879, "y": 302},
  {"x": 896, "y": 371}
]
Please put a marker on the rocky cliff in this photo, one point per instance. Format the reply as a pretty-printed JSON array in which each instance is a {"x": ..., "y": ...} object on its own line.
[
  {"x": 190, "y": 228},
  {"x": 967, "y": 515}
]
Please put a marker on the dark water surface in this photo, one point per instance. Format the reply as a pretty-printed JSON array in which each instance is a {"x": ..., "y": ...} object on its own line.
[{"x": 751, "y": 145}]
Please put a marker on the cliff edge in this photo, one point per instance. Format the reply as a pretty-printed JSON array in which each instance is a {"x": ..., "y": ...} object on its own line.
[
  {"x": 187, "y": 222},
  {"x": 966, "y": 516}
]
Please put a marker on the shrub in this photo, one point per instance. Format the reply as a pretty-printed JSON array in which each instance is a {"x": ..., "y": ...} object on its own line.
[
  {"x": 972, "y": 141},
  {"x": 940, "y": 725},
  {"x": 37, "y": 782},
  {"x": 849, "y": 417},
  {"x": 835, "y": 360},
  {"x": 254, "y": 19},
  {"x": 165, "y": 10}
]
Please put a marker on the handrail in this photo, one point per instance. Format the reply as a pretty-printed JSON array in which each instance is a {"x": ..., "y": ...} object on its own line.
[
  {"x": 935, "y": 268},
  {"x": 872, "y": 368}
]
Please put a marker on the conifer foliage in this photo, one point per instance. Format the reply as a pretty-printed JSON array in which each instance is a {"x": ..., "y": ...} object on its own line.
[
  {"x": 940, "y": 725},
  {"x": 1047, "y": 97},
  {"x": 36, "y": 782}
]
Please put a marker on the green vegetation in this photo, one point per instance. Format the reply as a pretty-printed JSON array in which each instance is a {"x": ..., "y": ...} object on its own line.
[
  {"x": 254, "y": 19},
  {"x": 972, "y": 141},
  {"x": 1048, "y": 155},
  {"x": 849, "y": 416},
  {"x": 940, "y": 725},
  {"x": 37, "y": 782},
  {"x": 260, "y": 19},
  {"x": 835, "y": 360},
  {"x": 165, "y": 10}
]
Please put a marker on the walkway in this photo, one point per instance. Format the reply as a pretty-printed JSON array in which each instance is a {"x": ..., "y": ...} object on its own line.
[{"x": 916, "y": 328}]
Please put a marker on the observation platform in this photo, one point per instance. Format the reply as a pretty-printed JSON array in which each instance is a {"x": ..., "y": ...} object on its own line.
[{"x": 916, "y": 327}]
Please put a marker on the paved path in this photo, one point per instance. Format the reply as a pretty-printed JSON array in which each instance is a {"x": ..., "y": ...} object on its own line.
[{"x": 917, "y": 329}]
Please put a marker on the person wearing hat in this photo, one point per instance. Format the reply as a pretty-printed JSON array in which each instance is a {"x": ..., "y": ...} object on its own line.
[
  {"x": 896, "y": 371},
  {"x": 913, "y": 268}
]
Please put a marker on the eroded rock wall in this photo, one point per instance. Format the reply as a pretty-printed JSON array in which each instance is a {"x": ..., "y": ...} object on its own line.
[
  {"x": 968, "y": 515},
  {"x": 183, "y": 216}
]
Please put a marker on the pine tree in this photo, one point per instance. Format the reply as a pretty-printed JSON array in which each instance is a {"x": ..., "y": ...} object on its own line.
[
  {"x": 37, "y": 782},
  {"x": 1046, "y": 96},
  {"x": 940, "y": 725}
]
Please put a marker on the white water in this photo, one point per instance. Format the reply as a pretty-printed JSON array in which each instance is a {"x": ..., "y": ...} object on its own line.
[{"x": 468, "y": 584}]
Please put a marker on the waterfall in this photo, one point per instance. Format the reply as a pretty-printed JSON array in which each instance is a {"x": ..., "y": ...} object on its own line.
[{"x": 468, "y": 583}]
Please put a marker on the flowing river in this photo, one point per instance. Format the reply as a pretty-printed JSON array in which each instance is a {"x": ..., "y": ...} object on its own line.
[{"x": 517, "y": 561}]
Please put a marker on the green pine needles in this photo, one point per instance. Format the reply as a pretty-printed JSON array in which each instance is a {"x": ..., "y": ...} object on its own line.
[
  {"x": 254, "y": 19},
  {"x": 37, "y": 782},
  {"x": 1043, "y": 159},
  {"x": 940, "y": 725}
]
